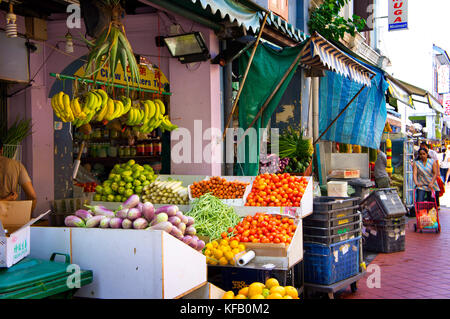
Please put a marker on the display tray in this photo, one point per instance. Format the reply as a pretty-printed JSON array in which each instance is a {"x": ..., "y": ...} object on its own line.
[{"x": 235, "y": 201}]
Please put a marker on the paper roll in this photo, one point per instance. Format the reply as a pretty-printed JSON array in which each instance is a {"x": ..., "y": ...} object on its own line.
[{"x": 246, "y": 258}]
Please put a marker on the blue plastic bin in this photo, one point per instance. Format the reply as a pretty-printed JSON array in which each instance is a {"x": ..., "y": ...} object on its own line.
[{"x": 328, "y": 264}]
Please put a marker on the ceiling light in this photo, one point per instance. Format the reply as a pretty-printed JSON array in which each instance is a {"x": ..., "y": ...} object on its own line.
[{"x": 11, "y": 26}]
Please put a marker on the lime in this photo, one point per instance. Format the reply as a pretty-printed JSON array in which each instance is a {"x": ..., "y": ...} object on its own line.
[
  {"x": 128, "y": 179},
  {"x": 129, "y": 186},
  {"x": 137, "y": 183},
  {"x": 97, "y": 197},
  {"x": 99, "y": 189},
  {"x": 131, "y": 162},
  {"x": 122, "y": 183},
  {"x": 118, "y": 198},
  {"x": 128, "y": 193},
  {"x": 143, "y": 177},
  {"x": 138, "y": 190},
  {"x": 104, "y": 198},
  {"x": 110, "y": 198},
  {"x": 121, "y": 190}
]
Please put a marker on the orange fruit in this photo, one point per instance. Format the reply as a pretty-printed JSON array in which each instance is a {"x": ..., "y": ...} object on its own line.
[
  {"x": 243, "y": 291},
  {"x": 279, "y": 290},
  {"x": 234, "y": 244},
  {"x": 228, "y": 295},
  {"x": 239, "y": 296},
  {"x": 223, "y": 261},
  {"x": 272, "y": 282},
  {"x": 255, "y": 288},
  {"x": 291, "y": 291},
  {"x": 286, "y": 297},
  {"x": 275, "y": 295}
]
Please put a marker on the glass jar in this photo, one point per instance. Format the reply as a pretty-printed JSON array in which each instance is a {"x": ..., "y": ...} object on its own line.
[
  {"x": 112, "y": 151},
  {"x": 92, "y": 150},
  {"x": 121, "y": 151},
  {"x": 133, "y": 151},
  {"x": 140, "y": 150},
  {"x": 127, "y": 152},
  {"x": 105, "y": 133},
  {"x": 149, "y": 149},
  {"x": 103, "y": 151},
  {"x": 114, "y": 134}
]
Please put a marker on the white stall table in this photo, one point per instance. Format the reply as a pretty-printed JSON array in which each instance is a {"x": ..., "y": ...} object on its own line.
[{"x": 126, "y": 263}]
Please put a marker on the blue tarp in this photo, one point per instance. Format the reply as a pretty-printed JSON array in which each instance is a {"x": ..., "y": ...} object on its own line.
[{"x": 363, "y": 121}]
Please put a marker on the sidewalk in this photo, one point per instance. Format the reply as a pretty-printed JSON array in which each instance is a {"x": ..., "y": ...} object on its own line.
[{"x": 422, "y": 271}]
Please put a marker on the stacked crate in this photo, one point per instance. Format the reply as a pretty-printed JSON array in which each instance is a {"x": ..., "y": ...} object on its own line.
[
  {"x": 384, "y": 221},
  {"x": 332, "y": 235}
]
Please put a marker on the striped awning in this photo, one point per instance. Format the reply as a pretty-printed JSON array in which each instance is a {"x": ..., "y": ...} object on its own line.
[
  {"x": 319, "y": 53},
  {"x": 284, "y": 27}
]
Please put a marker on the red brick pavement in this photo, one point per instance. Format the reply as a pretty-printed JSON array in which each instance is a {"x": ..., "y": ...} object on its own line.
[{"x": 422, "y": 271}]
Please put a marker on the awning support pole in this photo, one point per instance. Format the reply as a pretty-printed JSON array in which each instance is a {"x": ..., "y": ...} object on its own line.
[
  {"x": 261, "y": 110},
  {"x": 230, "y": 117},
  {"x": 342, "y": 112}
]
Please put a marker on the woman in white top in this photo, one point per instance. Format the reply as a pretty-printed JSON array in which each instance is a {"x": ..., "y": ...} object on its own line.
[{"x": 445, "y": 165}]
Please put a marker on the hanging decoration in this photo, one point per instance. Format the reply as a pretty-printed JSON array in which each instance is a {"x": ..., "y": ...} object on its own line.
[{"x": 112, "y": 46}]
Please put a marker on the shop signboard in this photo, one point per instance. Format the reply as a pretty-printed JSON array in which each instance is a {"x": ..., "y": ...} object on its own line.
[
  {"x": 443, "y": 79},
  {"x": 446, "y": 103},
  {"x": 398, "y": 15},
  {"x": 151, "y": 76}
]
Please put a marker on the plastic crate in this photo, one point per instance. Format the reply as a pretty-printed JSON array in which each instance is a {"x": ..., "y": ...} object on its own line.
[
  {"x": 328, "y": 240},
  {"x": 324, "y": 203},
  {"x": 332, "y": 231},
  {"x": 235, "y": 278},
  {"x": 384, "y": 238},
  {"x": 332, "y": 218},
  {"x": 386, "y": 222},
  {"x": 327, "y": 264},
  {"x": 383, "y": 203}
]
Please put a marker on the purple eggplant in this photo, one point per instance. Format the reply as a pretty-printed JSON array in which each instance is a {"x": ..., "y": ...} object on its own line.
[
  {"x": 83, "y": 214},
  {"x": 162, "y": 217},
  {"x": 134, "y": 214},
  {"x": 174, "y": 220},
  {"x": 116, "y": 222},
  {"x": 182, "y": 227},
  {"x": 176, "y": 233},
  {"x": 190, "y": 221},
  {"x": 164, "y": 226},
  {"x": 101, "y": 210},
  {"x": 123, "y": 213},
  {"x": 190, "y": 231},
  {"x": 200, "y": 245},
  {"x": 127, "y": 224},
  {"x": 148, "y": 211},
  {"x": 104, "y": 223},
  {"x": 94, "y": 221},
  {"x": 193, "y": 242},
  {"x": 184, "y": 219},
  {"x": 131, "y": 202},
  {"x": 74, "y": 221},
  {"x": 170, "y": 210},
  {"x": 140, "y": 223},
  {"x": 187, "y": 239}
]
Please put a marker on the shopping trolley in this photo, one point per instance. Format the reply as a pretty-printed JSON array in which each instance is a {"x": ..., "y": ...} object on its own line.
[{"x": 427, "y": 214}]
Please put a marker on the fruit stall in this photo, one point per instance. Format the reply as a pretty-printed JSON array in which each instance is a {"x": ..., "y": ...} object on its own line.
[{"x": 231, "y": 231}]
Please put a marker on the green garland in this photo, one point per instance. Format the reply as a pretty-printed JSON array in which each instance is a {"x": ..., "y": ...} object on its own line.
[{"x": 328, "y": 23}]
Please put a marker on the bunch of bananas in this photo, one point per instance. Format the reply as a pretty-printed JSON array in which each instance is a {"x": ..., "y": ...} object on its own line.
[
  {"x": 154, "y": 117},
  {"x": 62, "y": 107},
  {"x": 97, "y": 105}
]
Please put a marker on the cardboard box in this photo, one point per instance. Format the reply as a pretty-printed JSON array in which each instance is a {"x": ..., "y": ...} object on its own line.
[{"x": 15, "y": 222}]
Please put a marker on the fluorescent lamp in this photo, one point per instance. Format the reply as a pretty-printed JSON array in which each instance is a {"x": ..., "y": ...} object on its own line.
[{"x": 188, "y": 47}]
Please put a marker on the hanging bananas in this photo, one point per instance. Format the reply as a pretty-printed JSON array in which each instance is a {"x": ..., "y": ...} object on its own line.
[{"x": 96, "y": 105}]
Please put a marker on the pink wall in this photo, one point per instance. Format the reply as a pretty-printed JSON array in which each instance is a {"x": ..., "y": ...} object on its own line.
[{"x": 196, "y": 92}]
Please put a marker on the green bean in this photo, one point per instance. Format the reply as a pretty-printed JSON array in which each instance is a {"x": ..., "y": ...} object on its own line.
[{"x": 212, "y": 217}]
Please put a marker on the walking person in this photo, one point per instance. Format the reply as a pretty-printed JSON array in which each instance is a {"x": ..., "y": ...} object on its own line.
[
  {"x": 425, "y": 174},
  {"x": 382, "y": 179}
]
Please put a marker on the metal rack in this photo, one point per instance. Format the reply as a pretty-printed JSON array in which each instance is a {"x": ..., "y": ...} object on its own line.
[{"x": 85, "y": 80}]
